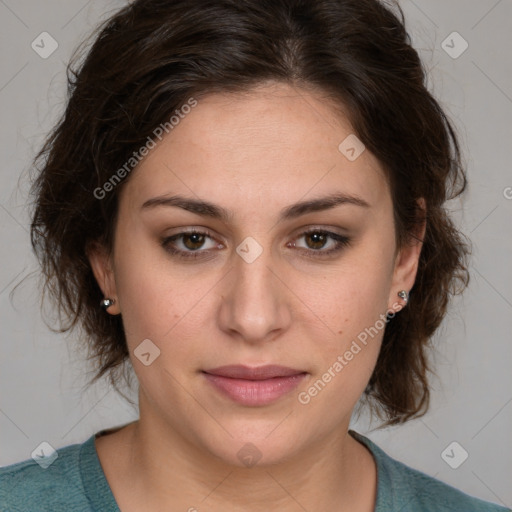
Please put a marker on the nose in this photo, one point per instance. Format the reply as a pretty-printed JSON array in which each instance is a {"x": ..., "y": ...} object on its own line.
[{"x": 255, "y": 305}]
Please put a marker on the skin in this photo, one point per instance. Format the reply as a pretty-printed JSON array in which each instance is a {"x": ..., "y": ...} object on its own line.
[{"x": 254, "y": 155}]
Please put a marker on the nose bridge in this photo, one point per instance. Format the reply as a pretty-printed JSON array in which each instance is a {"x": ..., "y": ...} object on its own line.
[{"x": 254, "y": 304}]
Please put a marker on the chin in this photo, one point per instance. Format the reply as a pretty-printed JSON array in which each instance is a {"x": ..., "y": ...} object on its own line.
[{"x": 252, "y": 443}]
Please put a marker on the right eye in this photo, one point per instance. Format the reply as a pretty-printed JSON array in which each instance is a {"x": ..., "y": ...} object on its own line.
[{"x": 190, "y": 244}]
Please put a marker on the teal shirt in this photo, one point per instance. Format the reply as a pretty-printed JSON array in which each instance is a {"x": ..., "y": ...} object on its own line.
[{"x": 76, "y": 482}]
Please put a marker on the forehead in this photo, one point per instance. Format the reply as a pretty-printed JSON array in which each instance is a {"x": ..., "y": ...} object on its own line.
[{"x": 275, "y": 141}]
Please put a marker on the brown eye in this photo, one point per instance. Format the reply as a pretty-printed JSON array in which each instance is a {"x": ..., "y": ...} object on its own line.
[
  {"x": 316, "y": 239},
  {"x": 191, "y": 244},
  {"x": 319, "y": 243},
  {"x": 193, "y": 241}
]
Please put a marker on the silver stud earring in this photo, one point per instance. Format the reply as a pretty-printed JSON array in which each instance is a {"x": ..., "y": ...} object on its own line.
[
  {"x": 106, "y": 303},
  {"x": 403, "y": 295}
]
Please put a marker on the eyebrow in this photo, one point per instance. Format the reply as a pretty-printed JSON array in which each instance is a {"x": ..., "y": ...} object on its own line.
[{"x": 293, "y": 211}]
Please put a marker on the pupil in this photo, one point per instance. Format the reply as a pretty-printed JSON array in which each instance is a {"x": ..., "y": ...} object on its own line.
[{"x": 193, "y": 241}]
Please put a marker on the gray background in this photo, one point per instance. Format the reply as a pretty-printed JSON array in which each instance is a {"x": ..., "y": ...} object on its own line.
[{"x": 42, "y": 374}]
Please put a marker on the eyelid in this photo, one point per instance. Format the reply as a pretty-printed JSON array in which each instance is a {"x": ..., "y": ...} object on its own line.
[
  {"x": 199, "y": 231},
  {"x": 335, "y": 230}
]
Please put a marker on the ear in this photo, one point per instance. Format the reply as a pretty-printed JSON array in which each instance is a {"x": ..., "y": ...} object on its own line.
[
  {"x": 406, "y": 262},
  {"x": 102, "y": 269}
]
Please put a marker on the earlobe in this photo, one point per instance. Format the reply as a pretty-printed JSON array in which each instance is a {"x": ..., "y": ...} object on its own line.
[
  {"x": 101, "y": 266},
  {"x": 107, "y": 303}
]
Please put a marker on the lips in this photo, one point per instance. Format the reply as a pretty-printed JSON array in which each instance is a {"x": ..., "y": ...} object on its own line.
[
  {"x": 258, "y": 373},
  {"x": 255, "y": 386}
]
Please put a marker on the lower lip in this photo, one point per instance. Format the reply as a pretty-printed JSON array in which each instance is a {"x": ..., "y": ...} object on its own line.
[{"x": 255, "y": 392}]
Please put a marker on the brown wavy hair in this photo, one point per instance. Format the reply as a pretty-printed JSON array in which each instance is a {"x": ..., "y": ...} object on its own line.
[{"x": 152, "y": 56}]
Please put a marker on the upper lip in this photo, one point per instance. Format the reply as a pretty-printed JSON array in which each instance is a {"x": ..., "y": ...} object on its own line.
[{"x": 255, "y": 373}]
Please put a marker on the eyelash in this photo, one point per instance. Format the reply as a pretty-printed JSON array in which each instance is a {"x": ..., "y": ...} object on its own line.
[{"x": 341, "y": 242}]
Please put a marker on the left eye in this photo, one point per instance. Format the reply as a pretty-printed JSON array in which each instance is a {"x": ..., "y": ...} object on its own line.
[
  {"x": 319, "y": 240},
  {"x": 321, "y": 243}
]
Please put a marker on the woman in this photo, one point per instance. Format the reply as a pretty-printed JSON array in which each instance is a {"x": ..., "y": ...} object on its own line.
[{"x": 244, "y": 199}]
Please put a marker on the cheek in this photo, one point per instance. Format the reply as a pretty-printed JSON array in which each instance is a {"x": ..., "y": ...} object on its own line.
[
  {"x": 150, "y": 296},
  {"x": 162, "y": 303},
  {"x": 344, "y": 362},
  {"x": 155, "y": 305},
  {"x": 352, "y": 296},
  {"x": 352, "y": 303},
  {"x": 142, "y": 290}
]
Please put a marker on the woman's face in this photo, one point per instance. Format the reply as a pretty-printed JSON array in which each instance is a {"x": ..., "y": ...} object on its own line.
[{"x": 282, "y": 271}]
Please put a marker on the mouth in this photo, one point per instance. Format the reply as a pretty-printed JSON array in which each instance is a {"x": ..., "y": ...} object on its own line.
[{"x": 256, "y": 386}]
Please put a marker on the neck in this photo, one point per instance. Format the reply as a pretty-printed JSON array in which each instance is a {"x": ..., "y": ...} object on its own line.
[{"x": 164, "y": 470}]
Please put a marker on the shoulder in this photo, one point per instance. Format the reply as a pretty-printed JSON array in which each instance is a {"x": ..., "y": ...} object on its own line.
[
  {"x": 428, "y": 493},
  {"x": 401, "y": 487},
  {"x": 49, "y": 482}
]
